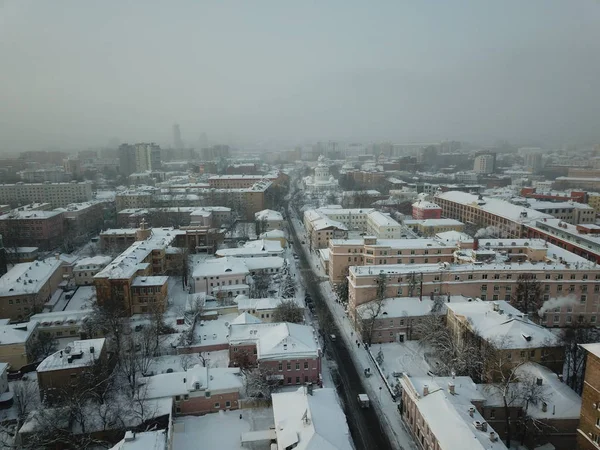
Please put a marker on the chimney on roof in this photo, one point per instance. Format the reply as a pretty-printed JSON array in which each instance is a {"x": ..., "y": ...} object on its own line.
[
  {"x": 451, "y": 388},
  {"x": 425, "y": 390}
]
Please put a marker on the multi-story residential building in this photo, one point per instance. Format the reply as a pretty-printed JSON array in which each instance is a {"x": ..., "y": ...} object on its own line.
[
  {"x": 62, "y": 324},
  {"x": 570, "y": 212},
  {"x": 287, "y": 352},
  {"x": 313, "y": 417},
  {"x": 502, "y": 327},
  {"x": 432, "y": 227},
  {"x": 199, "y": 390},
  {"x": 85, "y": 269},
  {"x": 583, "y": 240},
  {"x": 176, "y": 216},
  {"x": 229, "y": 276},
  {"x": 145, "y": 259},
  {"x": 17, "y": 255},
  {"x": 82, "y": 220},
  {"x": 57, "y": 371},
  {"x": 579, "y": 182},
  {"x": 26, "y": 287},
  {"x": 509, "y": 220},
  {"x": 491, "y": 271},
  {"x": 17, "y": 342},
  {"x": 594, "y": 201},
  {"x": 554, "y": 196},
  {"x": 588, "y": 433},
  {"x": 485, "y": 163},
  {"x": 442, "y": 414},
  {"x": 138, "y": 158},
  {"x": 57, "y": 194},
  {"x": 43, "y": 229},
  {"x": 117, "y": 239},
  {"x": 328, "y": 223},
  {"x": 135, "y": 198},
  {"x": 54, "y": 175},
  {"x": 422, "y": 210},
  {"x": 245, "y": 181},
  {"x": 268, "y": 220},
  {"x": 370, "y": 251}
]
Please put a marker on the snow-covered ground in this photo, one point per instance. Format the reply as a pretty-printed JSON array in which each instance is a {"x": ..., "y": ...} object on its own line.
[
  {"x": 404, "y": 357},
  {"x": 222, "y": 430},
  {"x": 176, "y": 363},
  {"x": 374, "y": 385}
]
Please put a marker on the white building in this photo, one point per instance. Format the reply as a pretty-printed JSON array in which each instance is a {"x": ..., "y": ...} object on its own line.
[
  {"x": 272, "y": 220},
  {"x": 310, "y": 419},
  {"x": 484, "y": 163},
  {"x": 253, "y": 249},
  {"x": 57, "y": 194},
  {"x": 85, "y": 269},
  {"x": 321, "y": 180}
]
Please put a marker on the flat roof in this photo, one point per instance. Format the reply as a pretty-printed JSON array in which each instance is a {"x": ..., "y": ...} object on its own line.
[
  {"x": 29, "y": 277},
  {"x": 76, "y": 354}
]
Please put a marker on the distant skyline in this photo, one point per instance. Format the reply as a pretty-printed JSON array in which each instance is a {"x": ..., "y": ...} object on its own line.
[{"x": 75, "y": 74}]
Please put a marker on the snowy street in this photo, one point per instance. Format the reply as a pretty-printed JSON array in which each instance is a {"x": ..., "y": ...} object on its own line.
[{"x": 381, "y": 401}]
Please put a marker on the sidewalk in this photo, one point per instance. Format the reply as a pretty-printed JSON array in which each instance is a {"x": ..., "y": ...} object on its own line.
[{"x": 374, "y": 385}]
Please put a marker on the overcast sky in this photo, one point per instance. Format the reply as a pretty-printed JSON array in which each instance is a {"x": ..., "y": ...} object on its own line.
[{"x": 76, "y": 73}]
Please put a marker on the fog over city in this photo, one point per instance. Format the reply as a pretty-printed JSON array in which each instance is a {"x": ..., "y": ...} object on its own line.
[{"x": 76, "y": 74}]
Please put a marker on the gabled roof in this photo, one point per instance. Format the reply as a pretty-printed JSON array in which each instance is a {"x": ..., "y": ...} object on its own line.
[
  {"x": 313, "y": 422},
  {"x": 245, "y": 318}
]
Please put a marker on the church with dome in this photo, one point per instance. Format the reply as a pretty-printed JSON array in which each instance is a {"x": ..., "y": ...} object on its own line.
[{"x": 322, "y": 179}]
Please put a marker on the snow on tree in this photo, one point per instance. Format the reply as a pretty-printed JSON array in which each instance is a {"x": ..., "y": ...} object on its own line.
[{"x": 288, "y": 311}]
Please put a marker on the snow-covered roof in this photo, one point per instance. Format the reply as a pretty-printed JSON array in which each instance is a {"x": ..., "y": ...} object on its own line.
[
  {"x": 147, "y": 440},
  {"x": 438, "y": 222},
  {"x": 310, "y": 421},
  {"x": 26, "y": 215},
  {"x": 499, "y": 320},
  {"x": 260, "y": 247},
  {"x": 322, "y": 224},
  {"x": 268, "y": 215},
  {"x": 98, "y": 260},
  {"x": 561, "y": 401},
  {"x": 128, "y": 263},
  {"x": 592, "y": 348},
  {"x": 245, "y": 319},
  {"x": 409, "y": 306},
  {"x": 76, "y": 354},
  {"x": 453, "y": 237},
  {"x": 273, "y": 234},
  {"x": 18, "y": 333},
  {"x": 28, "y": 278},
  {"x": 393, "y": 243},
  {"x": 213, "y": 379},
  {"x": 423, "y": 204},
  {"x": 150, "y": 281},
  {"x": 447, "y": 415},
  {"x": 382, "y": 220},
  {"x": 220, "y": 266},
  {"x": 495, "y": 206},
  {"x": 266, "y": 262},
  {"x": 277, "y": 340}
]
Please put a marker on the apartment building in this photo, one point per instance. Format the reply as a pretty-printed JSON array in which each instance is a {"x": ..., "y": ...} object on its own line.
[
  {"x": 432, "y": 227},
  {"x": 422, "y": 210},
  {"x": 588, "y": 433},
  {"x": 289, "y": 352},
  {"x": 26, "y": 287},
  {"x": 509, "y": 220},
  {"x": 491, "y": 271},
  {"x": 139, "y": 157},
  {"x": 199, "y": 390},
  {"x": 17, "y": 341},
  {"x": 570, "y": 212},
  {"x": 82, "y": 220},
  {"x": 42, "y": 229},
  {"x": 62, "y": 324},
  {"x": 145, "y": 259},
  {"x": 328, "y": 223},
  {"x": 370, "y": 250},
  {"x": 175, "y": 216},
  {"x": 229, "y": 276},
  {"x": 443, "y": 413},
  {"x": 583, "y": 239},
  {"x": 57, "y": 371},
  {"x": 594, "y": 201},
  {"x": 502, "y": 327},
  {"x": 85, "y": 269},
  {"x": 57, "y": 194}
]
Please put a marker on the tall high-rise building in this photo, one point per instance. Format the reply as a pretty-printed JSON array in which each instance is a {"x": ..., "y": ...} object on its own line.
[
  {"x": 177, "y": 142},
  {"x": 485, "y": 162},
  {"x": 138, "y": 158}
]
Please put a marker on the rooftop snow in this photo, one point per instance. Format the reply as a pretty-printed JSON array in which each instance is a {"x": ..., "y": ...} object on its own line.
[
  {"x": 16, "y": 333},
  {"x": 325, "y": 427},
  {"x": 508, "y": 324},
  {"x": 98, "y": 260},
  {"x": 28, "y": 278},
  {"x": 147, "y": 440},
  {"x": 495, "y": 206},
  {"x": 259, "y": 248},
  {"x": 411, "y": 306},
  {"x": 150, "y": 281},
  {"x": 79, "y": 353},
  {"x": 268, "y": 215}
]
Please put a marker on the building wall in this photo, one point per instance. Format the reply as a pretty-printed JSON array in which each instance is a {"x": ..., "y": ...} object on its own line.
[
  {"x": 46, "y": 233},
  {"x": 149, "y": 298},
  {"x": 14, "y": 354},
  {"x": 480, "y": 283},
  {"x": 57, "y": 194},
  {"x": 199, "y": 404},
  {"x": 419, "y": 213},
  {"x": 213, "y": 284},
  {"x": 590, "y": 399},
  {"x": 84, "y": 275}
]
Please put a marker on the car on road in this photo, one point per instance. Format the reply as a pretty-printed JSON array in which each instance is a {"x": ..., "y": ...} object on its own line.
[
  {"x": 296, "y": 256},
  {"x": 363, "y": 400},
  {"x": 333, "y": 337}
]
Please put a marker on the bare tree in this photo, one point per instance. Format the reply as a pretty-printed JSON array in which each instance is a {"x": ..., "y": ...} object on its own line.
[
  {"x": 25, "y": 397},
  {"x": 261, "y": 382},
  {"x": 260, "y": 285},
  {"x": 288, "y": 311},
  {"x": 373, "y": 309},
  {"x": 43, "y": 345},
  {"x": 528, "y": 297},
  {"x": 575, "y": 356}
]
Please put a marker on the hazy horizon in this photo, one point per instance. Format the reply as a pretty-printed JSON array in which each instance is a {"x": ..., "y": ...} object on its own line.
[{"x": 76, "y": 74}]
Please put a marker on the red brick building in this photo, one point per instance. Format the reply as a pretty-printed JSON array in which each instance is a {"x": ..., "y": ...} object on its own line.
[{"x": 422, "y": 210}]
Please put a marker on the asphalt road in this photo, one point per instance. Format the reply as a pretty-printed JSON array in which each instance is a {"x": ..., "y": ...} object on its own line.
[{"x": 365, "y": 427}]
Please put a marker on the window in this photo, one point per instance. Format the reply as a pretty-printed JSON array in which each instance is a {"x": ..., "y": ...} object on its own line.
[
  {"x": 227, "y": 404},
  {"x": 289, "y": 380},
  {"x": 177, "y": 398},
  {"x": 457, "y": 277},
  {"x": 470, "y": 276},
  {"x": 547, "y": 276},
  {"x": 583, "y": 298},
  {"x": 297, "y": 380},
  {"x": 305, "y": 365},
  {"x": 289, "y": 366},
  {"x": 484, "y": 287},
  {"x": 569, "y": 319},
  {"x": 522, "y": 354},
  {"x": 496, "y": 276},
  {"x": 559, "y": 288},
  {"x": 492, "y": 414},
  {"x": 207, "y": 394},
  {"x": 297, "y": 366},
  {"x": 532, "y": 354},
  {"x": 484, "y": 276},
  {"x": 572, "y": 276},
  {"x": 280, "y": 367},
  {"x": 186, "y": 397},
  {"x": 592, "y": 319},
  {"x": 217, "y": 405},
  {"x": 556, "y": 319},
  {"x": 509, "y": 276}
]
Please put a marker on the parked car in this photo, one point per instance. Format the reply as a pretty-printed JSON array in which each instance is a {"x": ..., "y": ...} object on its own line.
[{"x": 363, "y": 400}]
